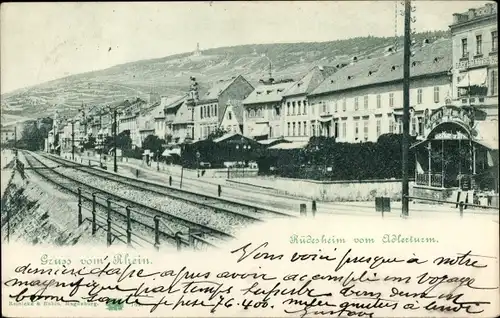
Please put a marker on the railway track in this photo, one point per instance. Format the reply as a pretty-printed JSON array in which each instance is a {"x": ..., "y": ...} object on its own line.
[
  {"x": 214, "y": 203},
  {"x": 144, "y": 214}
]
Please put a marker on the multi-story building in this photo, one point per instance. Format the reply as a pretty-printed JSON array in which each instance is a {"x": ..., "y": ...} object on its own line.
[
  {"x": 263, "y": 113},
  {"x": 475, "y": 58},
  {"x": 364, "y": 100},
  {"x": 460, "y": 145},
  {"x": 209, "y": 109},
  {"x": 171, "y": 109},
  {"x": 297, "y": 115},
  {"x": 8, "y": 134}
]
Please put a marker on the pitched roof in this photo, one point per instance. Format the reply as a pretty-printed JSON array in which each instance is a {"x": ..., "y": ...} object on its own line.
[
  {"x": 310, "y": 81},
  {"x": 432, "y": 59},
  {"x": 176, "y": 102},
  {"x": 183, "y": 115},
  {"x": 267, "y": 93},
  {"x": 216, "y": 89},
  {"x": 237, "y": 109}
]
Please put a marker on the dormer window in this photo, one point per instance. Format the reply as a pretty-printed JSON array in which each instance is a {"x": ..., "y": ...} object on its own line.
[
  {"x": 269, "y": 91},
  {"x": 437, "y": 59},
  {"x": 332, "y": 81},
  {"x": 350, "y": 77},
  {"x": 258, "y": 93}
]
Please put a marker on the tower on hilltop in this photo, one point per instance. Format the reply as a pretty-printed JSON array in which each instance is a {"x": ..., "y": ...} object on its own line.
[{"x": 197, "y": 52}]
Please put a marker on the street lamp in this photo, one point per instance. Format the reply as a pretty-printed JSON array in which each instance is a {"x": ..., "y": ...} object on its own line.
[{"x": 198, "y": 163}]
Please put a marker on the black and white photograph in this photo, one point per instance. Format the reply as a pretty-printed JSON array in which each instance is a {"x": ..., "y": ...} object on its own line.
[{"x": 253, "y": 158}]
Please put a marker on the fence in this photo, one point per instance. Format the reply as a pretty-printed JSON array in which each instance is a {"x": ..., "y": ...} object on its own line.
[{"x": 193, "y": 239}]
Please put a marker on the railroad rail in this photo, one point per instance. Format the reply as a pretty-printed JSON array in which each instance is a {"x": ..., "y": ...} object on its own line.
[
  {"x": 88, "y": 193},
  {"x": 212, "y": 202}
]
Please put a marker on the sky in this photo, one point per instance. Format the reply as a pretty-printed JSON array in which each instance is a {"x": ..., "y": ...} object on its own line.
[{"x": 45, "y": 41}]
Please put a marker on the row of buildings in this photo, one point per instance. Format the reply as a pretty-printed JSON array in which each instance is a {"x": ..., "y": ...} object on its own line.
[{"x": 353, "y": 102}]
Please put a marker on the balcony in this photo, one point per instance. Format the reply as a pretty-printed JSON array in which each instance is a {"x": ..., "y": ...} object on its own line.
[
  {"x": 477, "y": 62},
  {"x": 475, "y": 100}
]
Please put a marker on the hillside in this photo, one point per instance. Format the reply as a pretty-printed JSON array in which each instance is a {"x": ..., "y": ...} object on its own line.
[{"x": 170, "y": 75}]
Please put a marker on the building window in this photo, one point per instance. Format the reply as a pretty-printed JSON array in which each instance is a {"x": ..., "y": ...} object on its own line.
[
  {"x": 436, "y": 94},
  {"x": 288, "y": 108},
  {"x": 365, "y": 129},
  {"x": 259, "y": 113},
  {"x": 300, "y": 129},
  {"x": 479, "y": 44},
  {"x": 305, "y": 108},
  {"x": 215, "y": 110},
  {"x": 344, "y": 129},
  {"x": 391, "y": 126},
  {"x": 413, "y": 126},
  {"x": 391, "y": 99},
  {"x": 344, "y": 105},
  {"x": 288, "y": 131},
  {"x": 379, "y": 101},
  {"x": 420, "y": 126},
  {"x": 313, "y": 127},
  {"x": 494, "y": 41},
  {"x": 335, "y": 106},
  {"x": 494, "y": 82},
  {"x": 378, "y": 127},
  {"x": 201, "y": 112},
  {"x": 366, "y": 102},
  {"x": 465, "y": 53},
  {"x": 305, "y": 128},
  {"x": 419, "y": 96},
  {"x": 293, "y": 108},
  {"x": 252, "y": 113},
  {"x": 293, "y": 129},
  {"x": 356, "y": 103},
  {"x": 299, "y": 106},
  {"x": 229, "y": 115},
  {"x": 324, "y": 107},
  {"x": 356, "y": 130}
]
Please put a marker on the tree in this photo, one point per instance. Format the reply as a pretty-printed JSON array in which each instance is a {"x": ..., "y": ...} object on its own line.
[
  {"x": 123, "y": 140},
  {"x": 33, "y": 138},
  {"x": 219, "y": 132},
  {"x": 153, "y": 143},
  {"x": 89, "y": 143}
]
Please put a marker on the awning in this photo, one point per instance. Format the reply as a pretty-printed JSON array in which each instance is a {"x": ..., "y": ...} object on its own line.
[
  {"x": 291, "y": 145},
  {"x": 474, "y": 78},
  {"x": 260, "y": 130},
  {"x": 325, "y": 119},
  {"x": 58, "y": 146},
  {"x": 166, "y": 153},
  {"x": 170, "y": 152}
]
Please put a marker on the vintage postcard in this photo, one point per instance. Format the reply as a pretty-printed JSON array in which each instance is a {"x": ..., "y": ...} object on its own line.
[{"x": 250, "y": 159}]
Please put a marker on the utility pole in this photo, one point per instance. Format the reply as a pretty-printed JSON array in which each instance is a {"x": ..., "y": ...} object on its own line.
[
  {"x": 73, "y": 140},
  {"x": 406, "y": 108},
  {"x": 15, "y": 140},
  {"x": 115, "y": 166}
]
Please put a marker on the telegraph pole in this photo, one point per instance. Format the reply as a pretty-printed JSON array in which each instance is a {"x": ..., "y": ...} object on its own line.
[
  {"x": 406, "y": 107},
  {"x": 115, "y": 167},
  {"x": 73, "y": 140}
]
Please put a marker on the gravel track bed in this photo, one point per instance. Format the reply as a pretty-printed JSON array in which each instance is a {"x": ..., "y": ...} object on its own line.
[
  {"x": 250, "y": 211},
  {"x": 143, "y": 235},
  {"x": 221, "y": 221}
]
